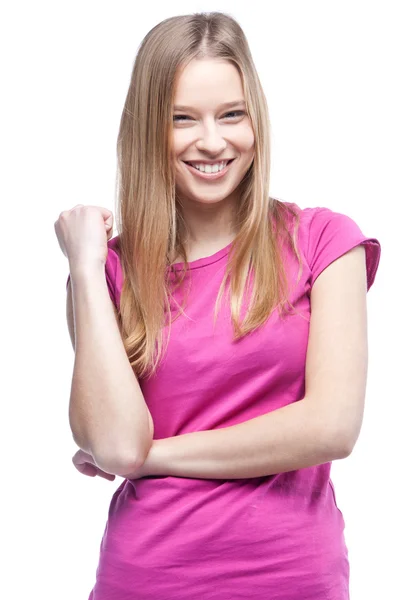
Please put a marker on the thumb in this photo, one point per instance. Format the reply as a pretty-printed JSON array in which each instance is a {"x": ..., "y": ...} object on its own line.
[{"x": 108, "y": 223}]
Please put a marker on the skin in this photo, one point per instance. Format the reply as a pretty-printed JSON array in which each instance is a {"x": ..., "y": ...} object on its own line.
[
  {"x": 85, "y": 464},
  {"x": 209, "y": 131}
]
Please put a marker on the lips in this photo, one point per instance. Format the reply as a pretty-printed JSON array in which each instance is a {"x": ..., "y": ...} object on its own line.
[{"x": 213, "y": 176}]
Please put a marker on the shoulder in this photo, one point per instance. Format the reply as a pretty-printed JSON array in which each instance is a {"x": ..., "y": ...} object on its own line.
[{"x": 324, "y": 235}]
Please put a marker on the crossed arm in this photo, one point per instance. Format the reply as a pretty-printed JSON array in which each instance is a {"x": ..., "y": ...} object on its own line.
[
  {"x": 321, "y": 427},
  {"x": 293, "y": 437}
]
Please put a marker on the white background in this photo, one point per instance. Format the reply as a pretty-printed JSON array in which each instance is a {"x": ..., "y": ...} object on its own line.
[{"x": 330, "y": 73}]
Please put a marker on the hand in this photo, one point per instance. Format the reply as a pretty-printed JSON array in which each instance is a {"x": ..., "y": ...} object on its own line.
[
  {"x": 85, "y": 464},
  {"x": 83, "y": 232}
]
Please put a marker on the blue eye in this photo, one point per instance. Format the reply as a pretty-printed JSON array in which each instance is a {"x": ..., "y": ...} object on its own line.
[{"x": 235, "y": 112}]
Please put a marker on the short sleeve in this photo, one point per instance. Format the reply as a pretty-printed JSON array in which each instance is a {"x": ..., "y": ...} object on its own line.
[
  {"x": 111, "y": 268},
  {"x": 332, "y": 234}
]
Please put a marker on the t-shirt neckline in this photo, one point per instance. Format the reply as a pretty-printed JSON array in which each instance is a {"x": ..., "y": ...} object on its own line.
[{"x": 205, "y": 261}]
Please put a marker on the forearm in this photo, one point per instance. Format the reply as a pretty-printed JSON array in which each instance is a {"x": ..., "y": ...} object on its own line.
[
  {"x": 108, "y": 415},
  {"x": 293, "y": 437}
]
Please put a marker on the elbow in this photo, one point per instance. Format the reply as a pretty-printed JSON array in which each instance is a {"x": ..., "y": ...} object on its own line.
[
  {"x": 347, "y": 448},
  {"x": 112, "y": 459},
  {"x": 336, "y": 441},
  {"x": 342, "y": 447},
  {"x": 331, "y": 444},
  {"x": 121, "y": 465},
  {"x": 125, "y": 461}
]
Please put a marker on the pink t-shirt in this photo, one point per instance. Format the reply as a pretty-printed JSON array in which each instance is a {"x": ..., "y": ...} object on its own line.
[{"x": 277, "y": 537}]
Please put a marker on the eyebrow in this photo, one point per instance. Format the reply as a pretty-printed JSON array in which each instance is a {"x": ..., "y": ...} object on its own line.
[{"x": 225, "y": 105}]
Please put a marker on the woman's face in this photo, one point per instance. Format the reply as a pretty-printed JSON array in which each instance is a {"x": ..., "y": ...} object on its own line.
[{"x": 206, "y": 130}]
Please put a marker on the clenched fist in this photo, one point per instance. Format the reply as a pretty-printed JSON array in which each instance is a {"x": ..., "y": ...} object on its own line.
[
  {"x": 83, "y": 233},
  {"x": 85, "y": 464}
]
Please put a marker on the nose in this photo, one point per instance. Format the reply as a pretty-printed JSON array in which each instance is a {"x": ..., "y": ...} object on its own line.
[{"x": 211, "y": 141}]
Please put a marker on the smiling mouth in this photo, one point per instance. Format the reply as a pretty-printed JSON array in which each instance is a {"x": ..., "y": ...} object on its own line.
[
  {"x": 209, "y": 175},
  {"x": 187, "y": 162}
]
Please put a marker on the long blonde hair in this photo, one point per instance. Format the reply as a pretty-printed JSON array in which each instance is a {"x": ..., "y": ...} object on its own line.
[{"x": 149, "y": 217}]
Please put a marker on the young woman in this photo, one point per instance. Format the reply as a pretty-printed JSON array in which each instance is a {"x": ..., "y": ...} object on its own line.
[{"x": 220, "y": 340}]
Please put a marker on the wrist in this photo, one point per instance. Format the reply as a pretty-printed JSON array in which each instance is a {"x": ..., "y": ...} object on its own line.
[
  {"x": 86, "y": 269},
  {"x": 154, "y": 464}
]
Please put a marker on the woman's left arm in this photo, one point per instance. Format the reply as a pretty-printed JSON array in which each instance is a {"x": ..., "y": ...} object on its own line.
[
  {"x": 292, "y": 437},
  {"x": 321, "y": 427}
]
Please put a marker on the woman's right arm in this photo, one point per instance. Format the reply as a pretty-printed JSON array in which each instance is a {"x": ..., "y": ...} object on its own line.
[{"x": 108, "y": 415}]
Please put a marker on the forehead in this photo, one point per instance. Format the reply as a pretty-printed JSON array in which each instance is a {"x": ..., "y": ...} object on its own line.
[{"x": 208, "y": 83}]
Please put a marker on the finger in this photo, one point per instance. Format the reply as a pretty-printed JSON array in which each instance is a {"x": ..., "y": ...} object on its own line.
[
  {"x": 86, "y": 469},
  {"x": 105, "y": 475}
]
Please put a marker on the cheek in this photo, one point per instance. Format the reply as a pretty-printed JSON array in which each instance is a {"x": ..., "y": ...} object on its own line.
[
  {"x": 180, "y": 141},
  {"x": 247, "y": 140}
]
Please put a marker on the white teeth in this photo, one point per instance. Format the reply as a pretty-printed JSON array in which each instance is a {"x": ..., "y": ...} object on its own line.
[{"x": 210, "y": 168}]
